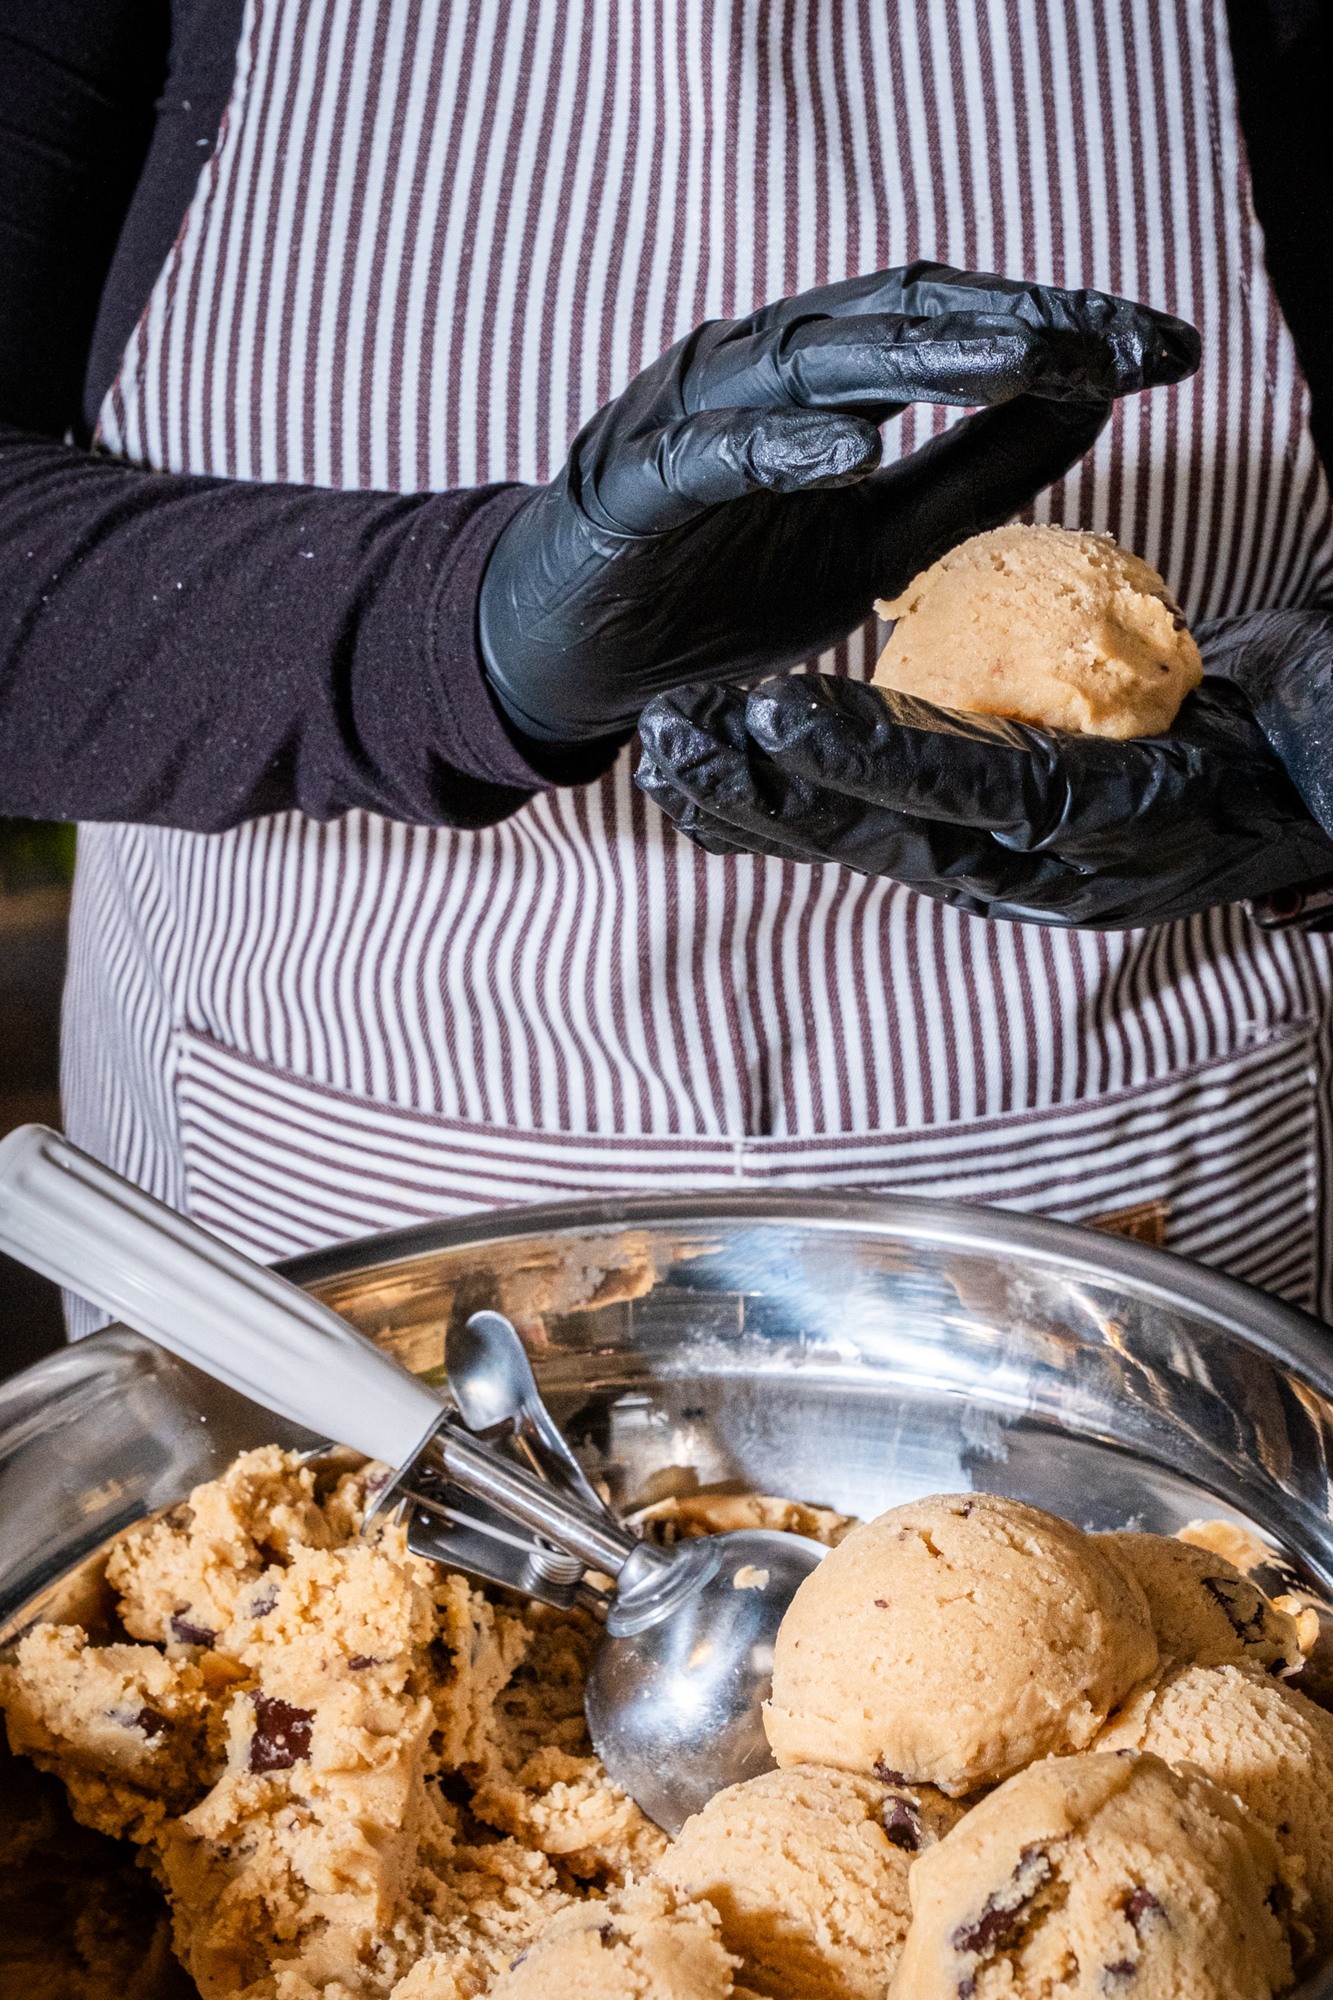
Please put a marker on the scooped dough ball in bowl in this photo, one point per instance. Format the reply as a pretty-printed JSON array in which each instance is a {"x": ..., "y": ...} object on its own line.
[
  {"x": 807, "y": 1869},
  {"x": 954, "y": 1639},
  {"x": 1095, "y": 1877},
  {"x": 1052, "y": 626},
  {"x": 1267, "y": 1745},
  {"x": 1203, "y": 1609}
]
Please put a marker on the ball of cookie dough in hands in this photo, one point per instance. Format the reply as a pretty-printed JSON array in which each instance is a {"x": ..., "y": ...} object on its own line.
[
  {"x": 1096, "y": 1876},
  {"x": 1050, "y": 626},
  {"x": 951, "y": 1641}
]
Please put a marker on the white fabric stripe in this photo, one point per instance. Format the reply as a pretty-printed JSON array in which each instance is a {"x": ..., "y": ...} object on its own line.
[{"x": 429, "y": 266}]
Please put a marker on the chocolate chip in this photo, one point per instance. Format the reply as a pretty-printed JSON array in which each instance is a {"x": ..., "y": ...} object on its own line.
[
  {"x": 1004, "y": 1914},
  {"x": 186, "y": 1634},
  {"x": 1124, "y": 1968},
  {"x": 888, "y": 1777},
  {"x": 1141, "y": 1906},
  {"x": 282, "y": 1734},
  {"x": 1242, "y": 1603},
  {"x": 514, "y": 1963},
  {"x": 264, "y": 1601},
  {"x": 967, "y": 1987},
  {"x": 359, "y": 1660},
  {"x": 993, "y": 1930},
  {"x": 881, "y": 1604},
  {"x": 902, "y": 1824},
  {"x": 151, "y": 1723}
]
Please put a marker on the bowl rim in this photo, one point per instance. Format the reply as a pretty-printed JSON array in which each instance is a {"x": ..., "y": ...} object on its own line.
[{"x": 1284, "y": 1333}]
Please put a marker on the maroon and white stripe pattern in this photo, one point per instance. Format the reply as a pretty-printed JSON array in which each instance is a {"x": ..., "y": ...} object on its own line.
[
  {"x": 435, "y": 236},
  {"x": 1229, "y": 1145}
]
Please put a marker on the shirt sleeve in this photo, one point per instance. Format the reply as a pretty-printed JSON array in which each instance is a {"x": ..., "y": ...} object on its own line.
[
  {"x": 194, "y": 652},
  {"x": 185, "y": 651}
]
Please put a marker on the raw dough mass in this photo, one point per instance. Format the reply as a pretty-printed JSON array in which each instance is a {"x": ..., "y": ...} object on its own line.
[
  {"x": 346, "y": 1766},
  {"x": 1052, "y": 626}
]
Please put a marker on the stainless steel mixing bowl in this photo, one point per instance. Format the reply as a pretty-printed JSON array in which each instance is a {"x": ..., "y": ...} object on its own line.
[{"x": 850, "y": 1352}]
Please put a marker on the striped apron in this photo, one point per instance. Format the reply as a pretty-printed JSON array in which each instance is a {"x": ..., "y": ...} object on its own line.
[{"x": 435, "y": 235}]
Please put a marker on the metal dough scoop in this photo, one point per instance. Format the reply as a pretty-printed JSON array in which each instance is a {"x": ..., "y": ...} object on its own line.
[
  {"x": 673, "y": 1700},
  {"x": 491, "y": 1380}
]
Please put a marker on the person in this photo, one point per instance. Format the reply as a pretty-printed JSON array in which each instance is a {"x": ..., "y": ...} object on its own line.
[{"x": 520, "y": 372}]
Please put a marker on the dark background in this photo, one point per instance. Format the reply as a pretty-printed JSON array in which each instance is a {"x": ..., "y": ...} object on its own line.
[{"x": 36, "y": 864}]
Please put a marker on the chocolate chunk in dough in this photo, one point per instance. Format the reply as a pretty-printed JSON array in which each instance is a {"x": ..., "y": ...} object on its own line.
[
  {"x": 186, "y": 1634},
  {"x": 282, "y": 1734}
]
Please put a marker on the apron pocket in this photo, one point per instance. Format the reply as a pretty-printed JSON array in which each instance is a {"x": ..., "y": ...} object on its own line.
[{"x": 1224, "y": 1154}]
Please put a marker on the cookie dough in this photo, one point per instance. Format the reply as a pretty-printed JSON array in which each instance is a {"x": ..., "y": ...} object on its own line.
[
  {"x": 951, "y": 1641},
  {"x": 641, "y": 1945},
  {"x": 684, "y": 1517},
  {"x": 1262, "y": 1741},
  {"x": 1093, "y": 1876},
  {"x": 807, "y": 1869},
  {"x": 1203, "y": 1608},
  {"x": 353, "y": 1777},
  {"x": 346, "y": 1766},
  {"x": 1049, "y": 625}
]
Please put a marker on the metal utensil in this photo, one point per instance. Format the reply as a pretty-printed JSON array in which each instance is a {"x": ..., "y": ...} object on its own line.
[
  {"x": 491, "y": 1380},
  {"x": 673, "y": 1701}
]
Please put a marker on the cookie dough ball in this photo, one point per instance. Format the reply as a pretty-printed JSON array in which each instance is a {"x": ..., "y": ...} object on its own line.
[
  {"x": 1048, "y": 625},
  {"x": 1094, "y": 1876},
  {"x": 1264, "y": 1742},
  {"x": 953, "y": 1640},
  {"x": 1203, "y": 1608},
  {"x": 643, "y": 1944},
  {"x": 807, "y": 1869}
]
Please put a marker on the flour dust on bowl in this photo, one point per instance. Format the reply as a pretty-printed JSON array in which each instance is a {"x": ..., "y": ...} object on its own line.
[{"x": 852, "y": 1354}]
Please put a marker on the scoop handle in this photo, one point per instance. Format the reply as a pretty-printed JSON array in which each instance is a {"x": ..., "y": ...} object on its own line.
[{"x": 71, "y": 1218}]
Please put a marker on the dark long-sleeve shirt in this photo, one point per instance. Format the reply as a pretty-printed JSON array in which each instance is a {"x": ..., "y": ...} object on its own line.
[{"x": 193, "y": 652}]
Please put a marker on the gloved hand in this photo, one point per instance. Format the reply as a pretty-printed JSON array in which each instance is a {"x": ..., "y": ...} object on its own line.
[
  {"x": 1003, "y": 820},
  {"x": 724, "y": 516}
]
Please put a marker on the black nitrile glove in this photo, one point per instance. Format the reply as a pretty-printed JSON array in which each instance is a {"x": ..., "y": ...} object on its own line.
[
  {"x": 724, "y": 516},
  {"x": 1008, "y": 821},
  {"x": 1282, "y": 662}
]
